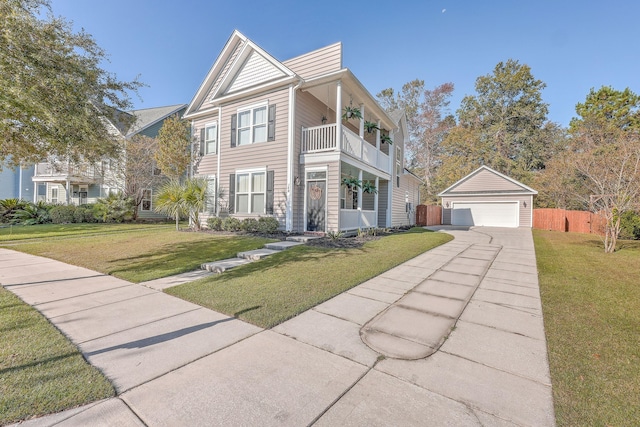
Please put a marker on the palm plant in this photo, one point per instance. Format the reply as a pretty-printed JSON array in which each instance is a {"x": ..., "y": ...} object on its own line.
[
  {"x": 33, "y": 213},
  {"x": 195, "y": 199},
  {"x": 170, "y": 200}
]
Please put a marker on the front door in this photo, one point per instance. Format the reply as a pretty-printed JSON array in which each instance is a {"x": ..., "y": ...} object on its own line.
[{"x": 316, "y": 189}]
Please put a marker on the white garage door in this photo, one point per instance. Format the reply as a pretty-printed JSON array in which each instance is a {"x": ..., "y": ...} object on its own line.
[{"x": 489, "y": 214}]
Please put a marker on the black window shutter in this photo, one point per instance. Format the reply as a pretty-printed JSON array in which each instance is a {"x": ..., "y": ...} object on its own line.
[
  {"x": 234, "y": 122},
  {"x": 271, "y": 128},
  {"x": 202, "y": 136},
  {"x": 269, "y": 195},
  {"x": 232, "y": 192}
]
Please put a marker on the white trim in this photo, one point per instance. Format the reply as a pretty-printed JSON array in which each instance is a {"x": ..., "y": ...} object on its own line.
[
  {"x": 219, "y": 159},
  {"x": 290, "y": 142}
]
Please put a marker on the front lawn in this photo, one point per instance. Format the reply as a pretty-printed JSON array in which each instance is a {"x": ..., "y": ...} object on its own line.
[
  {"x": 40, "y": 370},
  {"x": 591, "y": 304},
  {"x": 24, "y": 232},
  {"x": 130, "y": 253},
  {"x": 285, "y": 284}
]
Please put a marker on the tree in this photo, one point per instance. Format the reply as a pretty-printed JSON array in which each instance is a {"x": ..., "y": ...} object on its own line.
[
  {"x": 504, "y": 125},
  {"x": 173, "y": 155},
  {"x": 54, "y": 96},
  {"x": 605, "y": 155},
  {"x": 134, "y": 171},
  {"x": 427, "y": 122}
]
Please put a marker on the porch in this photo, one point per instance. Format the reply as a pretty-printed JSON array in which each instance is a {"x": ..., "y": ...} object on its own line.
[
  {"x": 323, "y": 139},
  {"x": 62, "y": 172}
]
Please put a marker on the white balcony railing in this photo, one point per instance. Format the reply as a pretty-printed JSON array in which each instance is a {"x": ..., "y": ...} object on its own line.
[
  {"x": 323, "y": 138},
  {"x": 354, "y": 219},
  {"x": 66, "y": 170}
]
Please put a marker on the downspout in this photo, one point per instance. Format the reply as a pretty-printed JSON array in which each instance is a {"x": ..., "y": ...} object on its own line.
[
  {"x": 290, "y": 156},
  {"x": 219, "y": 154}
]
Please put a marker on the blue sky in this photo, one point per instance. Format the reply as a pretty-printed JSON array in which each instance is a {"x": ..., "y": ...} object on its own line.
[{"x": 570, "y": 45}]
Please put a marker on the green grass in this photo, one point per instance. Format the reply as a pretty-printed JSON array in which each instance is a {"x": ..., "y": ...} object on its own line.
[
  {"x": 283, "y": 285},
  {"x": 40, "y": 370},
  {"x": 20, "y": 232},
  {"x": 136, "y": 255},
  {"x": 591, "y": 304}
]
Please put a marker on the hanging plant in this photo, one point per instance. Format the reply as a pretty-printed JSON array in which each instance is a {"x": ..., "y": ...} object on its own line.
[
  {"x": 351, "y": 182},
  {"x": 368, "y": 187},
  {"x": 351, "y": 113},
  {"x": 371, "y": 127},
  {"x": 386, "y": 138}
]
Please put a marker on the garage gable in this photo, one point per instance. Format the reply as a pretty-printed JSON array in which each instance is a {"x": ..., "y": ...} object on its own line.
[{"x": 485, "y": 180}]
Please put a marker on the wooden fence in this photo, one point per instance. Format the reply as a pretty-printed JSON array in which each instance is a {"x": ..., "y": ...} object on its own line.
[
  {"x": 428, "y": 215},
  {"x": 568, "y": 221}
]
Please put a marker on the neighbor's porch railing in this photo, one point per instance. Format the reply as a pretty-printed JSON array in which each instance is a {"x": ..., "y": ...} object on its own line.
[
  {"x": 323, "y": 138},
  {"x": 354, "y": 219},
  {"x": 58, "y": 170}
]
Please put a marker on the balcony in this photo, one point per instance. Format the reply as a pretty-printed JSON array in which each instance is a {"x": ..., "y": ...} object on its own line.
[
  {"x": 322, "y": 139},
  {"x": 83, "y": 173}
]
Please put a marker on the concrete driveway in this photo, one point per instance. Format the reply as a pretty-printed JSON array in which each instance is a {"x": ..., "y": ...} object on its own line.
[{"x": 452, "y": 337}]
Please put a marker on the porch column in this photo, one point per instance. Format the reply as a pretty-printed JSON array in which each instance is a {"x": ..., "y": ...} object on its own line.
[
  {"x": 375, "y": 199},
  {"x": 360, "y": 200},
  {"x": 68, "y": 192},
  {"x": 338, "y": 115},
  {"x": 361, "y": 130},
  {"x": 378, "y": 136}
]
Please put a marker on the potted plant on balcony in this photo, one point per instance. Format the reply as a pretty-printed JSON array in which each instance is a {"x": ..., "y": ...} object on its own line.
[
  {"x": 368, "y": 187},
  {"x": 351, "y": 182},
  {"x": 351, "y": 113},
  {"x": 386, "y": 138},
  {"x": 370, "y": 127}
]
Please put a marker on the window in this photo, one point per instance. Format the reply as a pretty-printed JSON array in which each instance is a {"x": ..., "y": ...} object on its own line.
[
  {"x": 210, "y": 203},
  {"x": 252, "y": 125},
  {"x": 211, "y": 139},
  {"x": 146, "y": 200},
  {"x": 54, "y": 195},
  {"x": 42, "y": 192},
  {"x": 250, "y": 192}
]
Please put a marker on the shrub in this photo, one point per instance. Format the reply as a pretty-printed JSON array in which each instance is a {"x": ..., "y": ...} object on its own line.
[
  {"x": 268, "y": 224},
  {"x": 231, "y": 224},
  {"x": 84, "y": 213},
  {"x": 62, "y": 214},
  {"x": 250, "y": 225},
  {"x": 114, "y": 208},
  {"x": 630, "y": 225},
  {"x": 215, "y": 223},
  {"x": 8, "y": 207},
  {"x": 33, "y": 213}
]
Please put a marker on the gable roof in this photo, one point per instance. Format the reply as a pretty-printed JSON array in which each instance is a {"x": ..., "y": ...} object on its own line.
[
  {"x": 147, "y": 117},
  {"x": 240, "y": 66},
  {"x": 476, "y": 183}
]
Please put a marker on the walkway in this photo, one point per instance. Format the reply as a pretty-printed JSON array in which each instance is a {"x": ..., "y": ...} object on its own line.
[{"x": 175, "y": 363}]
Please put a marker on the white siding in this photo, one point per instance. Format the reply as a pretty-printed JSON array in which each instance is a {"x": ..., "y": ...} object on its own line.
[
  {"x": 225, "y": 70},
  {"x": 255, "y": 70},
  {"x": 485, "y": 181}
]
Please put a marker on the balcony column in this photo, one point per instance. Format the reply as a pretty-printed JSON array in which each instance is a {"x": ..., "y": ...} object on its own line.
[
  {"x": 375, "y": 198},
  {"x": 338, "y": 115},
  {"x": 378, "y": 136},
  {"x": 361, "y": 131},
  {"x": 360, "y": 200}
]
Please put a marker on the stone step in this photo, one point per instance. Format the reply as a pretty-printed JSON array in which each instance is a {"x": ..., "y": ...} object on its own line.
[
  {"x": 281, "y": 246},
  {"x": 257, "y": 254},
  {"x": 302, "y": 239},
  {"x": 224, "y": 265}
]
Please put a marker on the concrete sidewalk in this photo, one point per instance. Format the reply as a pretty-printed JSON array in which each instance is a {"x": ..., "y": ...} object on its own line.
[{"x": 473, "y": 304}]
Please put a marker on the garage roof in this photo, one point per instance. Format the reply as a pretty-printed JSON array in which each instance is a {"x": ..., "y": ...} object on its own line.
[{"x": 486, "y": 181}]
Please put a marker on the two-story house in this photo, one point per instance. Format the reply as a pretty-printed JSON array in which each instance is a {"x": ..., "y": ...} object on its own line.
[
  {"x": 64, "y": 182},
  {"x": 275, "y": 139}
]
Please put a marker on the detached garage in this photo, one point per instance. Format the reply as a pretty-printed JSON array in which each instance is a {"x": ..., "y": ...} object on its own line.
[{"x": 488, "y": 198}]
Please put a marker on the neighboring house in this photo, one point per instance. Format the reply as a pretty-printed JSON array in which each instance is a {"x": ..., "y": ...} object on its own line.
[
  {"x": 486, "y": 197},
  {"x": 15, "y": 183},
  {"x": 79, "y": 183},
  {"x": 272, "y": 142}
]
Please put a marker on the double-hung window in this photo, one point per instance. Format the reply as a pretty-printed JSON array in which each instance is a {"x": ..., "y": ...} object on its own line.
[
  {"x": 251, "y": 190},
  {"x": 252, "y": 125},
  {"x": 146, "y": 200},
  {"x": 211, "y": 138}
]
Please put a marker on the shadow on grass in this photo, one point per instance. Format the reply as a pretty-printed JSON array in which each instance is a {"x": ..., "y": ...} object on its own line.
[
  {"x": 37, "y": 363},
  {"x": 182, "y": 257}
]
